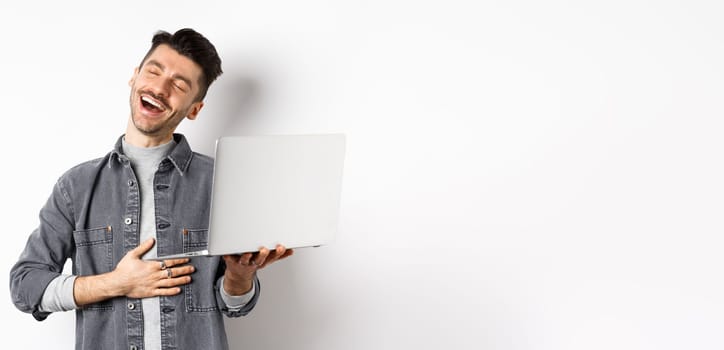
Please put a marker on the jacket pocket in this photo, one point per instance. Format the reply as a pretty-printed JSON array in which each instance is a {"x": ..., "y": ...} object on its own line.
[
  {"x": 195, "y": 240},
  {"x": 200, "y": 295},
  {"x": 93, "y": 256}
]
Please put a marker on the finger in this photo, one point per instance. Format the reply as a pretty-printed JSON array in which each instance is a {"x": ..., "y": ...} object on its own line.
[
  {"x": 283, "y": 255},
  {"x": 237, "y": 259},
  {"x": 174, "y": 262},
  {"x": 142, "y": 248},
  {"x": 174, "y": 282},
  {"x": 184, "y": 270},
  {"x": 245, "y": 258},
  {"x": 287, "y": 253},
  {"x": 164, "y": 264},
  {"x": 261, "y": 256},
  {"x": 277, "y": 254},
  {"x": 284, "y": 252},
  {"x": 230, "y": 259},
  {"x": 177, "y": 272},
  {"x": 248, "y": 259},
  {"x": 272, "y": 257},
  {"x": 280, "y": 250},
  {"x": 233, "y": 256},
  {"x": 167, "y": 291}
]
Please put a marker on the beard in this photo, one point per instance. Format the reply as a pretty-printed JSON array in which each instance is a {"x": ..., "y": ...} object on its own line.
[{"x": 153, "y": 127}]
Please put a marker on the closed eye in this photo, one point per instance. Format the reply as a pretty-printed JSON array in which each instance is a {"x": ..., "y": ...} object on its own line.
[
  {"x": 181, "y": 85},
  {"x": 153, "y": 71}
]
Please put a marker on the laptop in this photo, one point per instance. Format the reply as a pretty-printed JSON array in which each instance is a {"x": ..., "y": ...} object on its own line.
[{"x": 273, "y": 189}]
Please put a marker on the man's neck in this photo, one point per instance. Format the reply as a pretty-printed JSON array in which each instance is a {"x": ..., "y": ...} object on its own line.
[{"x": 138, "y": 139}]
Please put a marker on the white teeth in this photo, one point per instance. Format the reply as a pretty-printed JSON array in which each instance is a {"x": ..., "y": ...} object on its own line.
[{"x": 152, "y": 102}]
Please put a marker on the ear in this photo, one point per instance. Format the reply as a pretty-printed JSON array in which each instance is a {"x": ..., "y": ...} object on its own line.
[
  {"x": 133, "y": 78},
  {"x": 195, "y": 109}
]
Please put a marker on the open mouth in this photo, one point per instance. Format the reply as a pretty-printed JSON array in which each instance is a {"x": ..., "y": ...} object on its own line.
[{"x": 152, "y": 104}]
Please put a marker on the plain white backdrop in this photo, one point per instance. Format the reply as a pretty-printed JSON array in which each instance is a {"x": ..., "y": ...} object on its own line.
[{"x": 520, "y": 174}]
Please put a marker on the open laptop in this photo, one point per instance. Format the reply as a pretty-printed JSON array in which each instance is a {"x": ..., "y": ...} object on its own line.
[{"x": 273, "y": 189}]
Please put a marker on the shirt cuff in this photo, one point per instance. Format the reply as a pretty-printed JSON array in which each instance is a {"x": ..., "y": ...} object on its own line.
[
  {"x": 58, "y": 296},
  {"x": 236, "y": 302}
]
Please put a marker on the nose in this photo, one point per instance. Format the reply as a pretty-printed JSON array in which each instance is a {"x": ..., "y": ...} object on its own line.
[{"x": 161, "y": 86}]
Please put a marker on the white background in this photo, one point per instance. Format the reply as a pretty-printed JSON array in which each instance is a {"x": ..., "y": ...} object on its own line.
[{"x": 520, "y": 174}]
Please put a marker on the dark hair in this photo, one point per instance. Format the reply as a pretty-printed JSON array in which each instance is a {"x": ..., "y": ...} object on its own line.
[{"x": 196, "y": 47}]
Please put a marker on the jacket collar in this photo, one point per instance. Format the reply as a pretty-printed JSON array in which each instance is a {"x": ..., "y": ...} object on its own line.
[{"x": 180, "y": 156}]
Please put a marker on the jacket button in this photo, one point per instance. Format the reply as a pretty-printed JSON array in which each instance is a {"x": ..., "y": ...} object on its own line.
[
  {"x": 133, "y": 347},
  {"x": 128, "y": 221},
  {"x": 131, "y": 306},
  {"x": 130, "y": 183}
]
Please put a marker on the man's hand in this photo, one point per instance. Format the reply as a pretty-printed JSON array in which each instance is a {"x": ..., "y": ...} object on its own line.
[
  {"x": 240, "y": 269},
  {"x": 134, "y": 278}
]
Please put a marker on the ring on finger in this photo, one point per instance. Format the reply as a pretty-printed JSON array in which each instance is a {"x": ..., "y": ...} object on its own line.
[
  {"x": 163, "y": 265},
  {"x": 169, "y": 274}
]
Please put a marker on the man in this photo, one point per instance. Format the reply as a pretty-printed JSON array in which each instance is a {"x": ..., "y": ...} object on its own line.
[{"x": 149, "y": 196}]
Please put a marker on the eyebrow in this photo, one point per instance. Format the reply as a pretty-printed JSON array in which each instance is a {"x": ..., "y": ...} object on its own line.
[{"x": 175, "y": 76}]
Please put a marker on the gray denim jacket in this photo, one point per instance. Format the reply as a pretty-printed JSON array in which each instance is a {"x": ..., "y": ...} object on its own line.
[{"x": 92, "y": 217}]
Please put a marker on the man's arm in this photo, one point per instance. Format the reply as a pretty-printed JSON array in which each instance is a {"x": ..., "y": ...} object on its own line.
[
  {"x": 241, "y": 269},
  {"x": 52, "y": 243},
  {"x": 45, "y": 254},
  {"x": 238, "y": 288},
  {"x": 58, "y": 296},
  {"x": 67, "y": 292},
  {"x": 134, "y": 278}
]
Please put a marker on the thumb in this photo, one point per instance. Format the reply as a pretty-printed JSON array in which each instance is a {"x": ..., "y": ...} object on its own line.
[{"x": 142, "y": 248}]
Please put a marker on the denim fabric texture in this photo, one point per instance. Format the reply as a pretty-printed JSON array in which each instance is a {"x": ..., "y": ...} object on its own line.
[{"x": 92, "y": 217}]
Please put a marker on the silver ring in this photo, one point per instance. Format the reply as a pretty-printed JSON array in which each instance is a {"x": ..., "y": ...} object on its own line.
[
  {"x": 169, "y": 274},
  {"x": 163, "y": 265}
]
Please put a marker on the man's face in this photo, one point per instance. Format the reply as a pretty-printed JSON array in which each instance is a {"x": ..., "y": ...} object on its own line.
[{"x": 163, "y": 90}]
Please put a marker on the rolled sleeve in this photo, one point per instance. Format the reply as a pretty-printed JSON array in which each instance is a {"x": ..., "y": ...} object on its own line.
[
  {"x": 44, "y": 256},
  {"x": 236, "y": 302},
  {"x": 236, "y": 306},
  {"x": 58, "y": 296}
]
